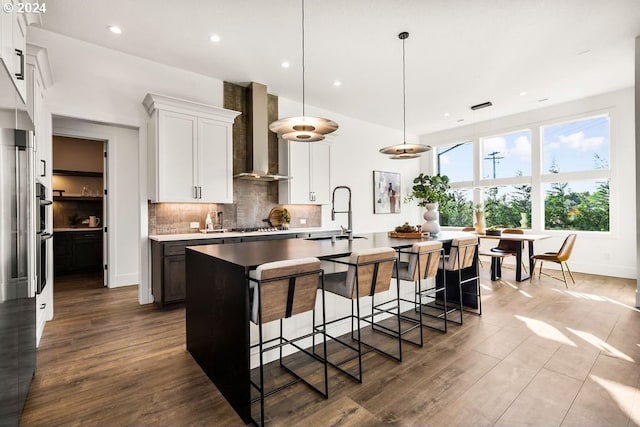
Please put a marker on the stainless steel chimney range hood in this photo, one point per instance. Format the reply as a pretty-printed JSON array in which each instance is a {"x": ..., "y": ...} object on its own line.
[{"x": 258, "y": 138}]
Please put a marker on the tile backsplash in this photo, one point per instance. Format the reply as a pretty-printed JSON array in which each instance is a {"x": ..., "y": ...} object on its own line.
[{"x": 254, "y": 201}]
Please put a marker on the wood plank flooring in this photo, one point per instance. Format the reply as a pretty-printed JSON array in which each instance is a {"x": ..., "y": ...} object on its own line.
[{"x": 540, "y": 355}]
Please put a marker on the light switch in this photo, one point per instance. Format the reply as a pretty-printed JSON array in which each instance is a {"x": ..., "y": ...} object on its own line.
[
  {"x": 195, "y": 225},
  {"x": 303, "y": 221}
]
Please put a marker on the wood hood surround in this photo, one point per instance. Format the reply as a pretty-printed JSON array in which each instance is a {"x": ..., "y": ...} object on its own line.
[{"x": 259, "y": 165}]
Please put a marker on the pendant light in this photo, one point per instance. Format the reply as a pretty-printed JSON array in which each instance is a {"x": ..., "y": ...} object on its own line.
[
  {"x": 303, "y": 128},
  {"x": 404, "y": 150}
]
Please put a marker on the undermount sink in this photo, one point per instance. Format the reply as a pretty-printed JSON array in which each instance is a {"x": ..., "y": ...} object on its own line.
[{"x": 340, "y": 237}]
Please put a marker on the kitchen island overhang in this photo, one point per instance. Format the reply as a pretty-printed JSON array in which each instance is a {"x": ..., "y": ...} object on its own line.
[{"x": 217, "y": 301}]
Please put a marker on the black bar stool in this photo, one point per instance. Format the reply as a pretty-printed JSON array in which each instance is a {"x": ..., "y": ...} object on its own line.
[
  {"x": 368, "y": 273},
  {"x": 280, "y": 290}
]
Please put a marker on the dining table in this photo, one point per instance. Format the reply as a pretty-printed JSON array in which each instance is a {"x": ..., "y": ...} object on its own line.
[{"x": 529, "y": 239}]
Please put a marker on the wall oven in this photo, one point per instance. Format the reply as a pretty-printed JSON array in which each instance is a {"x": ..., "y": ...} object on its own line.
[{"x": 42, "y": 206}]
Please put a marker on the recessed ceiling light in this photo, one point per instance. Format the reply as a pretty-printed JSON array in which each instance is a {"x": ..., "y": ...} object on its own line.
[
  {"x": 523, "y": 93},
  {"x": 285, "y": 64},
  {"x": 115, "y": 29},
  {"x": 543, "y": 99},
  {"x": 337, "y": 83},
  {"x": 214, "y": 38},
  {"x": 460, "y": 120},
  {"x": 584, "y": 52},
  {"x": 447, "y": 114}
]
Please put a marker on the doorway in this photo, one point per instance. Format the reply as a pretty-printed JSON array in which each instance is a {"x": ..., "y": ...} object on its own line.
[{"x": 79, "y": 210}]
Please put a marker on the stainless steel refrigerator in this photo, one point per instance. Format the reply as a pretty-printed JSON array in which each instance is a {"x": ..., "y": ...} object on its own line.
[{"x": 17, "y": 271}]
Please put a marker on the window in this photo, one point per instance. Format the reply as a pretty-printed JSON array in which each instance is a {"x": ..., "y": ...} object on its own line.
[
  {"x": 456, "y": 161},
  {"x": 506, "y": 156},
  {"x": 508, "y": 206},
  {"x": 572, "y": 177},
  {"x": 578, "y": 205},
  {"x": 576, "y": 174},
  {"x": 581, "y": 145}
]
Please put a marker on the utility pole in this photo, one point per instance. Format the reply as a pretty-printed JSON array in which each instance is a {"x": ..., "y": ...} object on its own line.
[{"x": 494, "y": 157}]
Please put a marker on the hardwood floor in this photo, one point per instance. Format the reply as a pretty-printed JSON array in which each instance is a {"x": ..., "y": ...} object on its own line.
[{"x": 539, "y": 355}]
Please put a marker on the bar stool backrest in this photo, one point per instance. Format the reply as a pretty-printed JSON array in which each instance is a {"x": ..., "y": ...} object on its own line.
[
  {"x": 462, "y": 254},
  {"x": 285, "y": 288},
  {"x": 429, "y": 255},
  {"x": 374, "y": 268}
]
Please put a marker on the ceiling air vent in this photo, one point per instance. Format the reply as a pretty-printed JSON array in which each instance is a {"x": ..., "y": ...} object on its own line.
[{"x": 483, "y": 105}]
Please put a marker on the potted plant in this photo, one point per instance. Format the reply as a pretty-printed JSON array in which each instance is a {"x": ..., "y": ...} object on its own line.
[
  {"x": 286, "y": 218},
  {"x": 430, "y": 191},
  {"x": 494, "y": 231}
]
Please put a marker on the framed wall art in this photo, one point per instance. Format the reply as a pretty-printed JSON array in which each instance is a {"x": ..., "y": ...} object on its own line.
[{"x": 386, "y": 192}]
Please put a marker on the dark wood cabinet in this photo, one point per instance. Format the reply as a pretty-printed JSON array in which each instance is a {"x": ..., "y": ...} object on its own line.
[
  {"x": 168, "y": 276},
  {"x": 77, "y": 252}
]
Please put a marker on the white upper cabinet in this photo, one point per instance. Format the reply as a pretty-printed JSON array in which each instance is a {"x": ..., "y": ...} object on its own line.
[
  {"x": 13, "y": 31},
  {"x": 308, "y": 165},
  {"x": 190, "y": 151}
]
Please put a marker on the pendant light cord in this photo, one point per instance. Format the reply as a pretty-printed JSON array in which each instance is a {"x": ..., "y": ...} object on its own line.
[
  {"x": 404, "y": 98},
  {"x": 303, "y": 109}
]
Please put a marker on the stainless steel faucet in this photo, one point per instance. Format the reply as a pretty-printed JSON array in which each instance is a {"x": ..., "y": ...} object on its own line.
[{"x": 349, "y": 229}]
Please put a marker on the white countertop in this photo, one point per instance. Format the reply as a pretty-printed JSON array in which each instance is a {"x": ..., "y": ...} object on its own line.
[
  {"x": 56, "y": 230},
  {"x": 198, "y": 235}
]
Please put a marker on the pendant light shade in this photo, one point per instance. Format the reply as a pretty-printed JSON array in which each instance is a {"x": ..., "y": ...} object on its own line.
[
  {"x": 303, "y": 128},
  {"x": 404, "y": 150}
]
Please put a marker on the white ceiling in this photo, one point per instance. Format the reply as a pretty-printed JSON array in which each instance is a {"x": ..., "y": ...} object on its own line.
[{"x": 459, "y": 53}]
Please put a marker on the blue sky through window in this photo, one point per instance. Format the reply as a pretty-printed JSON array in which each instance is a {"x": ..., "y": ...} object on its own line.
[
  {"x": 506, "y": 156},
  {"x": 574, "y": 146}
]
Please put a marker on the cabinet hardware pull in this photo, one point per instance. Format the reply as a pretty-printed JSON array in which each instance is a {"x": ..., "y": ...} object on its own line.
[
  {"x": 20, "y": 75},
  {"x": 43, "y": 306},
  {"x": 195, "y": 192}
]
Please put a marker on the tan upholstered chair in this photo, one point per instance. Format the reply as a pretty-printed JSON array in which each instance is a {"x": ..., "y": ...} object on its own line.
[
  {"x": 462, "y": 261},
  {"x": 561, "y": 257},
  {"x": 368, "y": 274},
  {"x": 422, "y": 265},
  {"x": 280, "y": 290}
]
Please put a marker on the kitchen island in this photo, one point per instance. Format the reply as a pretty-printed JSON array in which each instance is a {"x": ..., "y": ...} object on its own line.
[{"x": 217, "y": 300}]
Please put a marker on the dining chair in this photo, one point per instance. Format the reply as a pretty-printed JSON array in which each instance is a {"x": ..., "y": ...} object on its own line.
[
  {"x": 561, "y": 257},
  {"x": 509, "y": 247},
  {"x": 278, "y": 291},
  {"x": 368, "y": 274}
]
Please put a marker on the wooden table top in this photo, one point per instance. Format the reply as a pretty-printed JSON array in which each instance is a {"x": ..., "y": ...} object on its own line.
[
  {"x": 516, "y": 237},
  {"x": 252, "y": 254}
]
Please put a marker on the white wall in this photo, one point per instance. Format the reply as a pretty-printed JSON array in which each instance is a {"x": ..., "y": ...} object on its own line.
[
  {"x": 613, "y": 253},
  {"x": 354, "y": 157}
]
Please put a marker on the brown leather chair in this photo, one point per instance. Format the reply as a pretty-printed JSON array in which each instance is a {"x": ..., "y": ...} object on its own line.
[
  {"x": 561, "y": 257},
  {"x": 509, "y": 247}
]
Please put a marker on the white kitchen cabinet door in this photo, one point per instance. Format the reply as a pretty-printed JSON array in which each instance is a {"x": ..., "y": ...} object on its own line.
[
  {"x": 214, "y": 161},
  {"x": 320, "y": 173},
  {"x": 13, "y": 31},
  {"x": 308, "y": 165},
  {"x": 176, "y": 152}
]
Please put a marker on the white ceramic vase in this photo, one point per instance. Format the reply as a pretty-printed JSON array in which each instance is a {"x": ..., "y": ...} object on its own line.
[{"x": 432, "y": 218}]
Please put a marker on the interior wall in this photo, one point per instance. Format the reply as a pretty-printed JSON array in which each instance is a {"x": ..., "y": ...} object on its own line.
[
  {"x": 612, "y": 253},
  {"x": 637, "y": 115}
]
